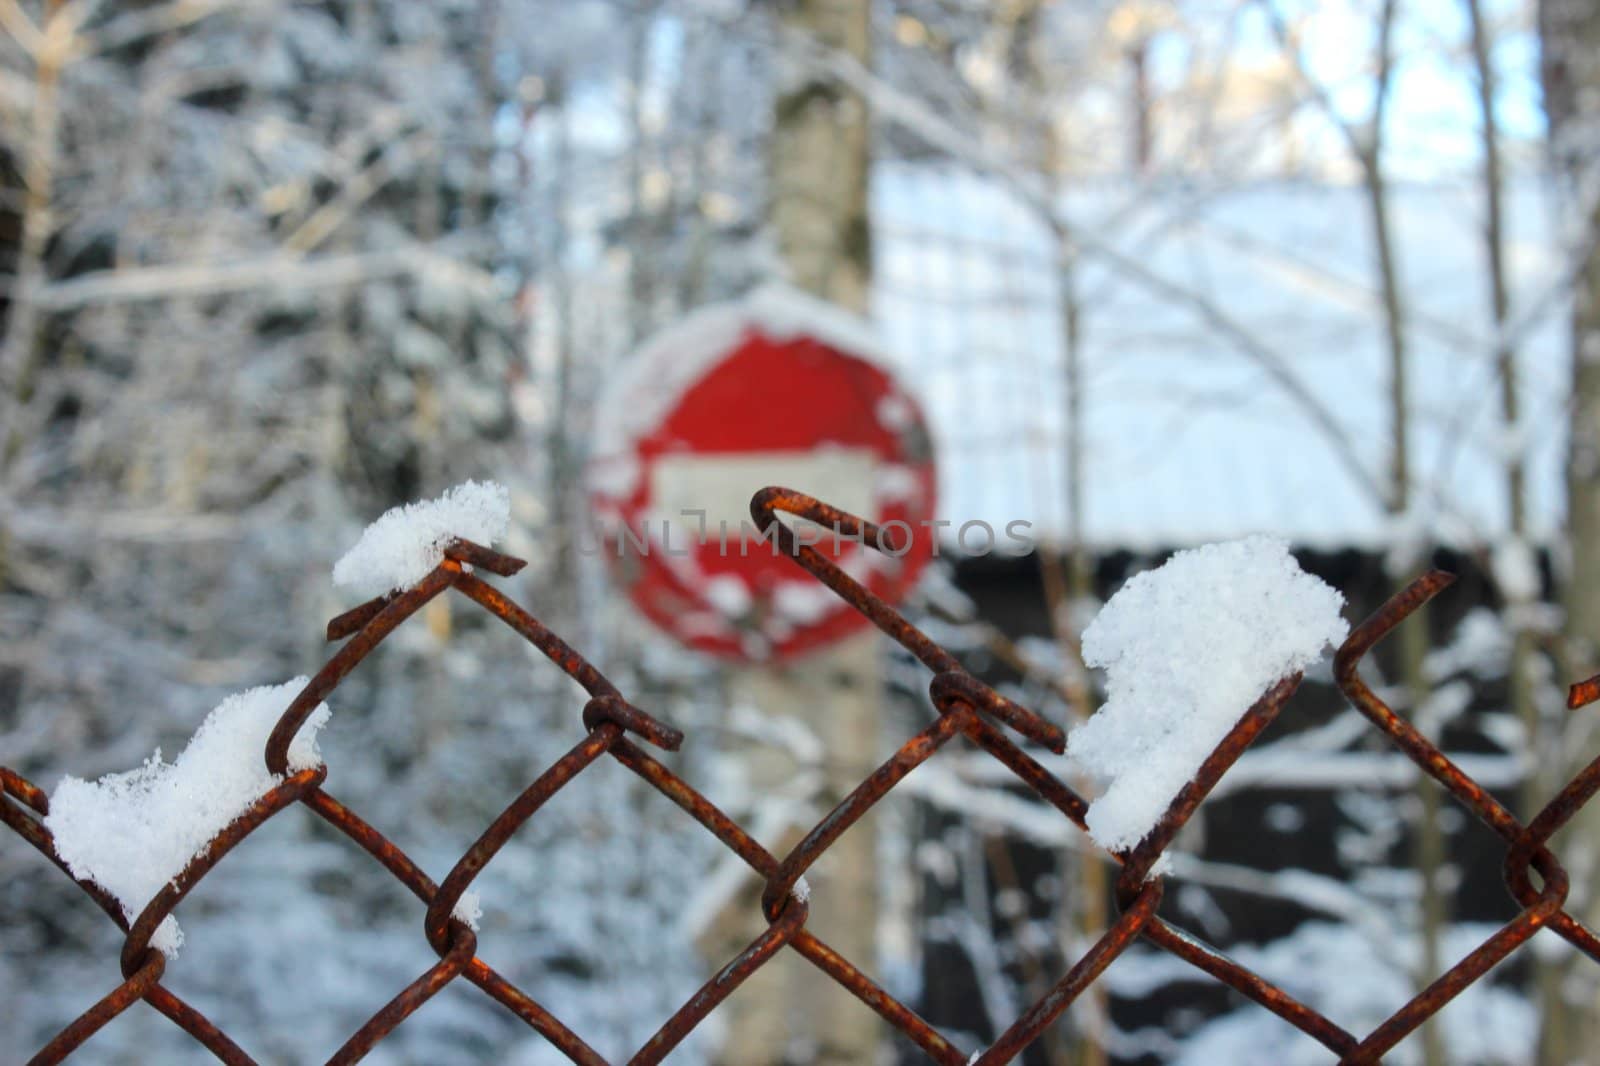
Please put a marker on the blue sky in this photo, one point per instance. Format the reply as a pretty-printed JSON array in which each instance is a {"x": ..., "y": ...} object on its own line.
[
  {"x": 1432, "y": 128},
  {"x": 1433, "y": 121}
]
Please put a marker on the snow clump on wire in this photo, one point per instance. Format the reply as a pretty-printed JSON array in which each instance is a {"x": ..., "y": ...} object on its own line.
[
  {"x": 406, "y": 542},
  {"x": 1188, "y": 648},
  {"x": 132, "y": 833}
]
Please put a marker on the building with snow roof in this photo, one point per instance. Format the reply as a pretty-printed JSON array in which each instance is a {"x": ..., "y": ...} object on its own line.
[{"x": 1235, "y": 375}]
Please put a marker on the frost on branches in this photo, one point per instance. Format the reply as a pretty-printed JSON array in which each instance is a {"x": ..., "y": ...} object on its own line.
[
  {"x": 132, "y": 833},
  {"x": 1187, "y": 648},
  {"x": 407, "y": 542}
]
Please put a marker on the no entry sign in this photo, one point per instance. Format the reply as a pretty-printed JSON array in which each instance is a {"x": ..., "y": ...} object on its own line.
[{"x": 775, "y": 389}]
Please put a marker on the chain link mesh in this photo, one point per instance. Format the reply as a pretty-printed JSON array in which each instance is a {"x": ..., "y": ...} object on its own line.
[{"x": 967, "y": 707}]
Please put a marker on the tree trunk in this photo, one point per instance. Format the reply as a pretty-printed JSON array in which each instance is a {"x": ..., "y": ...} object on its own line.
[
  {"x": 1429, "y": 844},
  {"x": 1064, "y": 569},
  {"x": 563, "y": 470},
  {"x": 1569, "y": 32},
  {"x": 790, "y": 1011},
  {"x": 1539, "y": 782},
  {"x": 820, "y": 158},
  {"x": 19, "y": 349},
  {"x": 640, "y": 288}
]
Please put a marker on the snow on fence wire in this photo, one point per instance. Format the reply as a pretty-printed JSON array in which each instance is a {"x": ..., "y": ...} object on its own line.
[{"x": 966, "y": 707}]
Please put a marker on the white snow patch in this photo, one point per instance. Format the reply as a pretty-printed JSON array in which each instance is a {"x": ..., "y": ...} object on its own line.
[
  {"x": 1408, "y": 536},
  {"x": 468, "y": 909},
  {"x": 781, "y": 731},
  {"x": 728, "y": 594},
  {"x": 1481, "y": 644},
  {"x": 804, "y": 602},
  {"x": 782, "y": 313},
  {"x": 942, "y": 593},
  {"x": 1516, "y": 570},
  {"x": 131, "y": 833},
  {"x": 1187, "y": 648},
  {"x": 896, "y": 481},
  {"x": 616, "y": 476},
  {"x": 895, "y": 412},
  {"x": 801, "y": 890},
  {"x": 402, "y": 546},
  {"x": 1443, "y": 705}
]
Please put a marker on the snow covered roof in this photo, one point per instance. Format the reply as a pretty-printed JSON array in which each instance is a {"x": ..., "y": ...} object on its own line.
[{"x": 1188, "y": 437}]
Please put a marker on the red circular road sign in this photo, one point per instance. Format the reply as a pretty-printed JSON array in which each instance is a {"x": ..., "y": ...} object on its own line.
[{"x": 775, "y": 389}]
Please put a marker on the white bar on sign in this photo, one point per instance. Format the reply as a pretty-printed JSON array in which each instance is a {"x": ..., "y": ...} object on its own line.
[{"x": 721, "y": 485}]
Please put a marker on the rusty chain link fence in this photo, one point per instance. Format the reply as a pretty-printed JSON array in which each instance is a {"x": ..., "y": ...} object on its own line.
[{"x": 966, "y": 708}]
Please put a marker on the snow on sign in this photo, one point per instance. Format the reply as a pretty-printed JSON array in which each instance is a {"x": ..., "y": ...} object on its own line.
[{"x": 774, "y": 389}]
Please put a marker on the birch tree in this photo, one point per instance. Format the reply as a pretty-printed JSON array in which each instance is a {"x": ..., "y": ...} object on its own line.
[{"x": 1569, "y": 33}]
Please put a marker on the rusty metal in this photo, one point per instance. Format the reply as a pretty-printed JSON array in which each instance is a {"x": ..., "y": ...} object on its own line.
[{"x": 966, "y": 708}]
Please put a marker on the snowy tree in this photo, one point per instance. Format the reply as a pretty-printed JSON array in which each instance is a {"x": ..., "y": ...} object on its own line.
[
  {"x": 260, "y": 290},
  {"x": 1569, "y": 34},
  {"x": 274, "y": 267}
]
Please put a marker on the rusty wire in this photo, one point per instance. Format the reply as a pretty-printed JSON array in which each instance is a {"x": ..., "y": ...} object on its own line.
[{"x": 966, "y": 707}]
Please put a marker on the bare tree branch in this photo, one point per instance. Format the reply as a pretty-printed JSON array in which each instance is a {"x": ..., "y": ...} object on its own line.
[
  {"x": 16, "y": 22},
  {"x": 358, "y": 190},
  {"x": 134, "y": 26},
  {"x": 911, "y": 114},
  {"x": 285, "y": 270}
]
